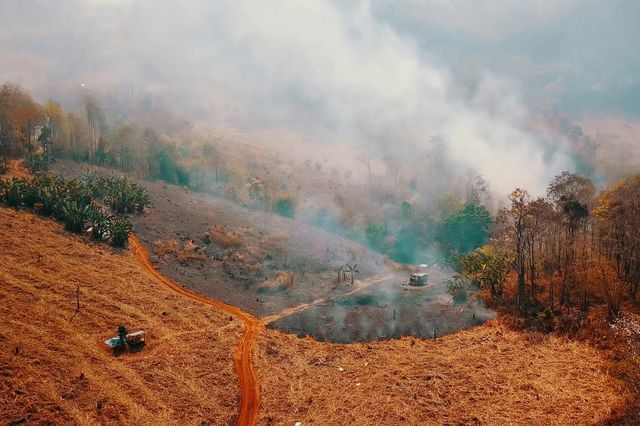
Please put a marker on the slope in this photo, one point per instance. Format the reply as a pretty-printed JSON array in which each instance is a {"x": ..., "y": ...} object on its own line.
[{"x": 54, "y": 366}]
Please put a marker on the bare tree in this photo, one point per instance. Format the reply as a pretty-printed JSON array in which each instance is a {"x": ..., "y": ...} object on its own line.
[
  {"x": 352, "y": 269},
  {"x": 515, "y": 218}
]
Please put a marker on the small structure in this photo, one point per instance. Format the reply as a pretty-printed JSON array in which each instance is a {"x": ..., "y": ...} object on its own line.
[
  {"x": 134, "y": 340},
  {"x": 418, "y": 279}
]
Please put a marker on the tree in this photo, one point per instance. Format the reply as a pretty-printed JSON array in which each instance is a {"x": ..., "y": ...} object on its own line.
[
  {"x": 538, "y": 215},
  {"x": 95, "y": 122},
  {"x": 392, "y": 163},
  {"x": 618, "y": 215},
  {"x": 465, "y": 230},
  {"x": 285, "y": 207},
  {"x": 54, "y": 118},
  {"x": 406, "y": 210},
  {"x": 406, "y": 245},
  {"x": 19, "y": 117},
  {"x": 486, "y": 267},
  {"x": 572, "y": 196},
  {"x": 376, "y": 234},
  {"x": 516, "y": 220},
  {"x": 477, "y": 188}
]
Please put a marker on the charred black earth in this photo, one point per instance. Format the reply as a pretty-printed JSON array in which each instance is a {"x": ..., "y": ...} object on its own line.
[{"x": 388, "y": 310}]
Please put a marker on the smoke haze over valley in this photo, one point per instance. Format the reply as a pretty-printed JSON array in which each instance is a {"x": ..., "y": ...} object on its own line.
[
  {"x": 320, "y": 212},
  {"x": 379, "y": 76}
]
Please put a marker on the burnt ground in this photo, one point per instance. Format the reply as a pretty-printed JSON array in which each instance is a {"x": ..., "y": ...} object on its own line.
[
  {"x": 255, "y": 245},
  {"x": 390, "y": 309}
]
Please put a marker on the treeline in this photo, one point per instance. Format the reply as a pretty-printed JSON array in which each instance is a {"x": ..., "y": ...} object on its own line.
[
  {"x": 26, "y": 127},
  {"x": 153, "y": 144},
  {"x": 428, "y": 237},
  {"x": 572, "y": 248}
]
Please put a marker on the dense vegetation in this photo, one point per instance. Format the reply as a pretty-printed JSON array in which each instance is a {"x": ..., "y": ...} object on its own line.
[
  {"x": 567, "y": 251},
  {"x": 79, "y": 203},
  {"x": 26, "y": 126}
]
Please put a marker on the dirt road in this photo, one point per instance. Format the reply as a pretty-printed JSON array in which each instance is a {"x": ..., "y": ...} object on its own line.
[
  {"x": 249, "y": 387},
  {"x": 15, "y": 170}
]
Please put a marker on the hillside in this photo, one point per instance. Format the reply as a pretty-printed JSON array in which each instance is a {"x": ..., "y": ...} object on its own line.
[
  {"x": 55, "y": 368},
  {"x": 486, "y": 375}
]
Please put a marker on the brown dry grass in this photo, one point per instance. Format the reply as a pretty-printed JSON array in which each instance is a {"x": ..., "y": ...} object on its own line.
[
  {"x": 162, "y": 247},
  {"x": 487, "y": 375},
  {"x": 56, "y": 370},
  {"x": 282, "y": 281},
  {"x": 16, "y": 169},
  {"x": 188, "y": 252},
  {"x": 224, "y": 237}
]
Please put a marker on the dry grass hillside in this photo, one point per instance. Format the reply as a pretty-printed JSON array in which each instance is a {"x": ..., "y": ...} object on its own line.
[
  {"x": 487, "y": 375},
  {"x": 56, "y": 370}
]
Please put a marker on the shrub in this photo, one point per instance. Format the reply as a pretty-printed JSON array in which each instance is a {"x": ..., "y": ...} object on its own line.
[
  {"x": 190, "y": 252},
  {"x": 12, "y": 190},
  {"x": 224, "y": 238},
  {"x": 74, "y": 215},
  {"x": 282, "y": 281},
  {"x": 160, "y": 247},
  {"x": 100, "y": 222},
  {"x": 119, "y": 230},
  {"x": 284, "y": 207},
  {"x": 38, "y": 162}
]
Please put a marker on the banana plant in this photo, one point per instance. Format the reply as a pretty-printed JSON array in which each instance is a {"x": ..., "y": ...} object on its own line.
[
  {"x": 119, "y": 230},
  {"x": 142, "y": 199},
  {"x": 74, "y": 216},
  {"x": 100, "y": 223},
  {"x": 12, "y": 191},
  {"x": 51, "y": 201}
]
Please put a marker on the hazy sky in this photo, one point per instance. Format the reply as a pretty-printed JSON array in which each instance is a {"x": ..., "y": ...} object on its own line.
[{"x": 390, "y": 74}]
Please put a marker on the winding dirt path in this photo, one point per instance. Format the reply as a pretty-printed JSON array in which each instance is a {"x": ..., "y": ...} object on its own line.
[
  {"x": 249, "y": 386},
  {"x": 15, "y": 170}
]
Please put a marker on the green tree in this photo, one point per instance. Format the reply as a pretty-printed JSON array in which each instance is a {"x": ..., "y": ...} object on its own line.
[
  {"x": 485, "y": 267},
  {"x": 406, "y": 246},
  {"x": 376, "y": 234},
  {"x": 284, "y": 207},
  {"x": 465, "y": 230}
]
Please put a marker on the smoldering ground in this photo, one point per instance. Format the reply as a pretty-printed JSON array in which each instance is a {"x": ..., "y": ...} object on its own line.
[{"x": 389, "y": 310}]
